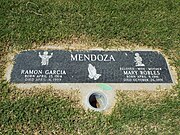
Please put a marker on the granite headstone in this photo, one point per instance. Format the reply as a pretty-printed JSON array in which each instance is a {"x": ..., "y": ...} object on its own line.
[{"x": 59, "y": 66}]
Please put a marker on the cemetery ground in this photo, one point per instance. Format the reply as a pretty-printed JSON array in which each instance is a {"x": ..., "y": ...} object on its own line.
[{"x": 28, "y": 24}]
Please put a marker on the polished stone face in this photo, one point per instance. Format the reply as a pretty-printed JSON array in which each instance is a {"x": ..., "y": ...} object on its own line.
[{"x": 58, "y": 66}]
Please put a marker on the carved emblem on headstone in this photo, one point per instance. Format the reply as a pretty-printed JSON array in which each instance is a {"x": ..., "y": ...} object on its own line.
[
  {"x": 45, "y": 58},
  {"x": 138, "y": 60},
  {"x": 92, "y": 72}
]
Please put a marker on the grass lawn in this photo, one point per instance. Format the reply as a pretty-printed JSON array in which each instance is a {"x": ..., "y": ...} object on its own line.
[{"x": 149, "y": 23}]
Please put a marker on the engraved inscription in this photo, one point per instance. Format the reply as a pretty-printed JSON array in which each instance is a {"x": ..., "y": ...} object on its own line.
[
  {"x": 43, "y": 75},
  {"x": 142, "y": 74},
  {"x": 92, "y": 57}
]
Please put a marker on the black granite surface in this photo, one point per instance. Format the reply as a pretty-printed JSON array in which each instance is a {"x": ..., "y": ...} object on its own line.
[{"x": 90, "y": 67}]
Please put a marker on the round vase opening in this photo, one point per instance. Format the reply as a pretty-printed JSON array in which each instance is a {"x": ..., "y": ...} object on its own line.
[{"x": 98, "y": 101}]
